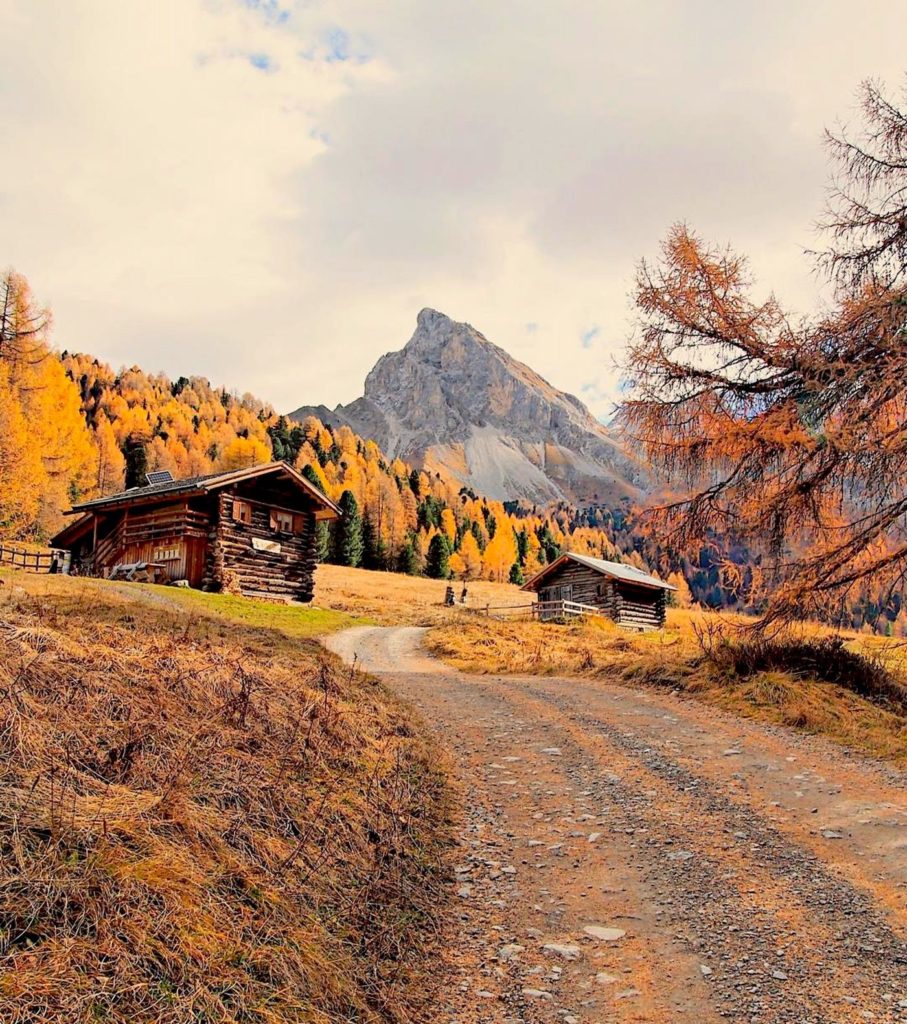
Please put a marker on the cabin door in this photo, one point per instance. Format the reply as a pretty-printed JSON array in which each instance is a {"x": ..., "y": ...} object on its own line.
[{"x": 549, "y": 594}]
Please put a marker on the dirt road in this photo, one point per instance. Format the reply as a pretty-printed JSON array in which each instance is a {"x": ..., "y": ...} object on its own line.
[{"x": 633, "y": 856}]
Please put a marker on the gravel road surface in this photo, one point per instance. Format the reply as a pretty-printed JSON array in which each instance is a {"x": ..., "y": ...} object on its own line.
[{"x": 629, "y": 855}]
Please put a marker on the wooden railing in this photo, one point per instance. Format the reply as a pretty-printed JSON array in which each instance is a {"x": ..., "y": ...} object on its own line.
[
  {"x": 153, "y": 526},
  {"x": 33, "y": 561},
  {"x": 105, "y": 549},
  {"x": 544, "y": 611}
]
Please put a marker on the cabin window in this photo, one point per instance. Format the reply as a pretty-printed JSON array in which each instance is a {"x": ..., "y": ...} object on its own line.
[
  {"x": 242, "y": 512},
  {"x": 285, "y": 522}
]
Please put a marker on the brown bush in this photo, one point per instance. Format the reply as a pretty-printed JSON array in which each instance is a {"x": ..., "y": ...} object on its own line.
[{"x": 824, "y": 658}]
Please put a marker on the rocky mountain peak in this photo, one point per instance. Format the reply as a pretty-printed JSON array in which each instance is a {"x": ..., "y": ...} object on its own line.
[{"x": 451, "y": 400}]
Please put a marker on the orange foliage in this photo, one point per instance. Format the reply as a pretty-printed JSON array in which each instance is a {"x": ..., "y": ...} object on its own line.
[{"x": 791, "y": 435}]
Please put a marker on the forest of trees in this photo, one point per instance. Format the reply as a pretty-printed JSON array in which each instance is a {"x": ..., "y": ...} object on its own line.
[{"x": 71, "y": 427}]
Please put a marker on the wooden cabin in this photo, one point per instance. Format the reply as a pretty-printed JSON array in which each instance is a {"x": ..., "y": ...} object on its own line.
[
  {"x": 251, "y": 530},
  {"x": 628, "y": 595}
]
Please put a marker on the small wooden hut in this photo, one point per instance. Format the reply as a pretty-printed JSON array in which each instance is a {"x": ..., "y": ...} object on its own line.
[
  {"x": 252, "y": 528},
  {"x": 628, "y": 595}
]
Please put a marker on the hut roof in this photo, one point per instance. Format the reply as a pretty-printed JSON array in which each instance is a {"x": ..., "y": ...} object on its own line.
[
  {"x": 616, "y": 570},
  {"x": 193, "y": 485},
  {"x": 209, "y": 482}
]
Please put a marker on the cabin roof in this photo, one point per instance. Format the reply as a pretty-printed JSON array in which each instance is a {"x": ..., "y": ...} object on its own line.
[
  {"x": 209, "y": 482},
  {"x": 616, "y": 570}
]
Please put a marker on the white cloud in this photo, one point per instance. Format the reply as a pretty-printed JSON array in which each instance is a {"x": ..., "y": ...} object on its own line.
[{"x": 268, "y": 192}]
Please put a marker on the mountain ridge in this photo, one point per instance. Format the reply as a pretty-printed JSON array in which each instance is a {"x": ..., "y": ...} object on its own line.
[{"x": 452, "y": 401}]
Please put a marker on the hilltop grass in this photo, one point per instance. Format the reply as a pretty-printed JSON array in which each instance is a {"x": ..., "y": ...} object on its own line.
[
  {"x": 206, "y": 820},
  {"x": 298, "y": 621},
  {"x": 673, "y": 658}
]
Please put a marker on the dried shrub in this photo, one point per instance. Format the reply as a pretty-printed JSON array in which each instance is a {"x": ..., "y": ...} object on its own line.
[
  {"x": 206, "y": 824},
  {"x": 745, "y": 654}
]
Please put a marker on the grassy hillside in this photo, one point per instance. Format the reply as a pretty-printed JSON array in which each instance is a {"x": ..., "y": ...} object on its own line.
[
  {"x": 393, "y": 598},
  {"x": 205, "y": 820},
  {"x": 857, "y": 702}
]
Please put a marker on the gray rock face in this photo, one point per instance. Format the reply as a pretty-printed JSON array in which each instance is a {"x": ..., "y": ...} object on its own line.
[{"x": 450, "y": 400}]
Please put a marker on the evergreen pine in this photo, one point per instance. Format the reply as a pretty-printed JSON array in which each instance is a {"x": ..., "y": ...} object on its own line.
[
  {"x": 311, "y": 476},
  {"x": 408, "y": 561},
  {"x": 522, "y": 545},
  {"x": 437, "y": 564},
  {"x": 374, "y": 550},
  {"x": 136, "y": 462},
  {"x": 348, "y": 532},
  {"x": 322, "y": 540}
]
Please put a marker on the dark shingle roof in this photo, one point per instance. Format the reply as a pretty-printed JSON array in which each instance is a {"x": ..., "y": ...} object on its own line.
[
  {"x": 190, "y": 483},
  {"x": 204, "y": 483}
]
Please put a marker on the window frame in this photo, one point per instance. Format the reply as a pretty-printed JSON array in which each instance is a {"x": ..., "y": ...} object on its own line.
[
  {"x": 240, "y": 509},
  {"x": 282, "y": 521}
]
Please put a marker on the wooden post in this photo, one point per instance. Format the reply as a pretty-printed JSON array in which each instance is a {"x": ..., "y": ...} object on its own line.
[{"x": 94, "y": 541}]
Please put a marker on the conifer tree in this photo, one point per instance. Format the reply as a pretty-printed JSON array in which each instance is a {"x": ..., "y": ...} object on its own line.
[
  {"x": 322, "y": 540},
  {"x": 348, "y": 532},
  {"x": 136, "y": 462},
  {"x": 789, "y": 432},
  {"x": 20, "y": 466},
  {"x": 374, "y": 553},
  {"x": 309, "y": 473},
  {"x": 437, "y": 564},
  {"x": 408, "y": 561}
]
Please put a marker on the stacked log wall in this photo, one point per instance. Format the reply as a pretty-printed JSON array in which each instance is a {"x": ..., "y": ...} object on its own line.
[
  {"x": 287, "y": 573},
  {"x": 589, "y": 586},
  {"x": 640, "y": 607}
]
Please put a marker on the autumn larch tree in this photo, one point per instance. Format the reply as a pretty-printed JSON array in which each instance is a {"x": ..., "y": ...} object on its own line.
[
  {"x": 790, "y": 434},
  {"x": 59, "y": 460}
]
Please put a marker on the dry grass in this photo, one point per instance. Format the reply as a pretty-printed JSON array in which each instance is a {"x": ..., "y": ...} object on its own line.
[
  {"x": 674, "y": 658},
  {"x": 202, "y": 821},
  {"x": 394, "y": 599}
]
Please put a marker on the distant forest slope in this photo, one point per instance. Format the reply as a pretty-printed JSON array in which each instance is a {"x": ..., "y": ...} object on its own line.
[
  {"x": 397, "y": 517},
  {"x": 72, "y": 427}
]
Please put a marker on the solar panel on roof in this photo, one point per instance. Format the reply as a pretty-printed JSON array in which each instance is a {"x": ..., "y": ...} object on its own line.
[{"x": 160, "y": 476}]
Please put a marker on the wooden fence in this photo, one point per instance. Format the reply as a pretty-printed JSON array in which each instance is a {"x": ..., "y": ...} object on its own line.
[
  {"x": 544, "y": 611},
  {"x": 34, "y": 561}
]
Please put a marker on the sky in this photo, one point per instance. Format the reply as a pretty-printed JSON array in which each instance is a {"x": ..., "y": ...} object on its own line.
[{"x": 266, "y": 192}]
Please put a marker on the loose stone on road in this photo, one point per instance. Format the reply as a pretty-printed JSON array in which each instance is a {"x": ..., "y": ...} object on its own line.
[{"x": 632, "y": 856}]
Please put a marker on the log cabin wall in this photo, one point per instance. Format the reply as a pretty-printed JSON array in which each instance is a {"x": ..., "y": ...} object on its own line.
[
  {"x": 587, "y": 585},
  {"x": 639, "y": 607},
  {"x": 174, "y": 536},
  {"x": 287, "y": 570}
]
